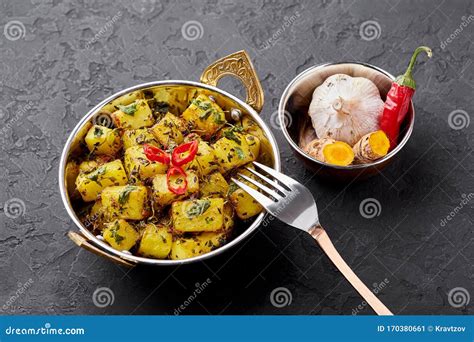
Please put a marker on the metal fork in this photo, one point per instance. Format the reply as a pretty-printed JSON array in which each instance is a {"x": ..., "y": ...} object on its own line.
[{"x": 292, "y": 203}]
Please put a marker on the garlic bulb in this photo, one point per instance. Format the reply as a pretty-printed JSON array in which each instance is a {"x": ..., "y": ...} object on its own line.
[{"x": 345, "y": 108}]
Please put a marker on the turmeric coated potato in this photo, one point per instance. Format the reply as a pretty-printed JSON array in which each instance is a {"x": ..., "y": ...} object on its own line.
[
  {"x": 140, "y": 136},
  {"x": 244, "y": 204},
  {"x": 103, "y": 140},
  {"x": 188, "y": 247},
  {"x": 200, "y": 215},
  {"x": 163, "y": 196},
  {"x": 91, "y": 184},
  {"x": 205, "y": 116},
  {"x": 233, "y": 150},
  {"x": 128, "y": 202},
  {"x": 134, "y": 115},
  {"x": 120, "y": 235},
  {"x": 138, "y": 167},
  {"x": 214, "y": 185},
  {"x": 169, "y": 130},
  {"x": 156, "y": 241}
]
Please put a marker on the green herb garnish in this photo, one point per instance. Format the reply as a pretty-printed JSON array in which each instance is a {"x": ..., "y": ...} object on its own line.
[
  {"x": 94, "y": 176},
  {"x": 98, "y": 132},
  {"x": 129, "y": 110},
  {"x": 232, "y": 187},
  {"x": 125, "y": 194},
  {"x": 230, "y": 134},
  {"x": 198, "y": 208},
  {"x": 115, "y": 235},
  {"x": 240, "y": 153}
]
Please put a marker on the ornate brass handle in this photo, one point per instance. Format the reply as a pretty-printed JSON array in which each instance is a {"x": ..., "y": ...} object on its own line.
[
  {"x": 81, "y": 241},
  {"x": 238, "y": 65}
]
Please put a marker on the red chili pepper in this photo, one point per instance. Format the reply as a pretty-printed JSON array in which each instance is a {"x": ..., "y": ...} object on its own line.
[
  {"x": 184, "y": 153},
  {"x": 181, "y": 189},
  {"x": 399, "y": 98},
  {"x": 156, "y": 154}
]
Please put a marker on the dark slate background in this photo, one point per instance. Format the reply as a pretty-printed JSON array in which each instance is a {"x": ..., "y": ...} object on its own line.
[{"x": 53, "y": 70}]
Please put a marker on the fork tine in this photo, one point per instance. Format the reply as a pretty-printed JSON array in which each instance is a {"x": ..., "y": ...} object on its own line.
[
  {"x": 279, "y": 176},
  {"x": 269, "y": 191},
  {"x": 268, "y": 180},
  {"x": 262, "y": 199}
]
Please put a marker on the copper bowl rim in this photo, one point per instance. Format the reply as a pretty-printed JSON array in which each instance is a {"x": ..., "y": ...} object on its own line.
[{"x": 281, "y": 117}]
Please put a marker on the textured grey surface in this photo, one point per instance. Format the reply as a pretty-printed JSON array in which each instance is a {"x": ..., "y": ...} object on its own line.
[{"x": 70, "y": 55}]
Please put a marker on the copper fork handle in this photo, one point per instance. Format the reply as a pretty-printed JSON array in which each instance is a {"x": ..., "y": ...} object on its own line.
[{"x": 320, "y": 235}]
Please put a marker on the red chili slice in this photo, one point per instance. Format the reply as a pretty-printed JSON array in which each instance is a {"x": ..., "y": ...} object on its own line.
[
  {"x": 156, "y": 154},
  {"x": 178, "y": 190},
  {"x": 184, "y": 153}
]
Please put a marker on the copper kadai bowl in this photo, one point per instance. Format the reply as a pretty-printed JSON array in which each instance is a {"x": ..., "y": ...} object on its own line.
[
  {"x": 294, "y": 118},
  {"x": 237, "y": 65}
]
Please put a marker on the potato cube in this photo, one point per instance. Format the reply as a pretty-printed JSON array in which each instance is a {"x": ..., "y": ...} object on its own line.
[
  {"x": 123, "y": 100},
  {"x": 185, "y": 248},
  {"x": 140, "y": 136},
  {"x": 71, "y": 173},
  {"x": 200, "y": 215},
  {"x": 204, "y": 115},
  {"x": 244, "y": 204},
  {"x": 214, "y": 185},
  {"x": 168, "y": 131},
  {"x": 135, "y": 115},
  {"x": 228, "y": 217},
  {"x": 254, "y": 144},
  {"x": 163, "y": 196},
  {"x": 120, "y": 235},
  {"x": 232, "y": 150},
  {"x": 206, "y": 158},
  {"x": 139, "y": 167},
  {"x": 128, "y": 202},
  {"x": 103, "y": 140},
  {"x": 78, "y": 139},
  {"x": 251, "y": 127},
  {"x": 156, "y": 241},
  {"x": 91, "y": 184},
  {"x": 91, "y": 165}
]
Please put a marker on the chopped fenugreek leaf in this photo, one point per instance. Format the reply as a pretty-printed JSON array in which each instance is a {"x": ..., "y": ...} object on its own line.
[{"x": 129, "y": 110}]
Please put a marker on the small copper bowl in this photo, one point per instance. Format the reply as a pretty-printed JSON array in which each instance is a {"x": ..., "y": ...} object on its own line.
[{"x": 293, "y": 116}]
